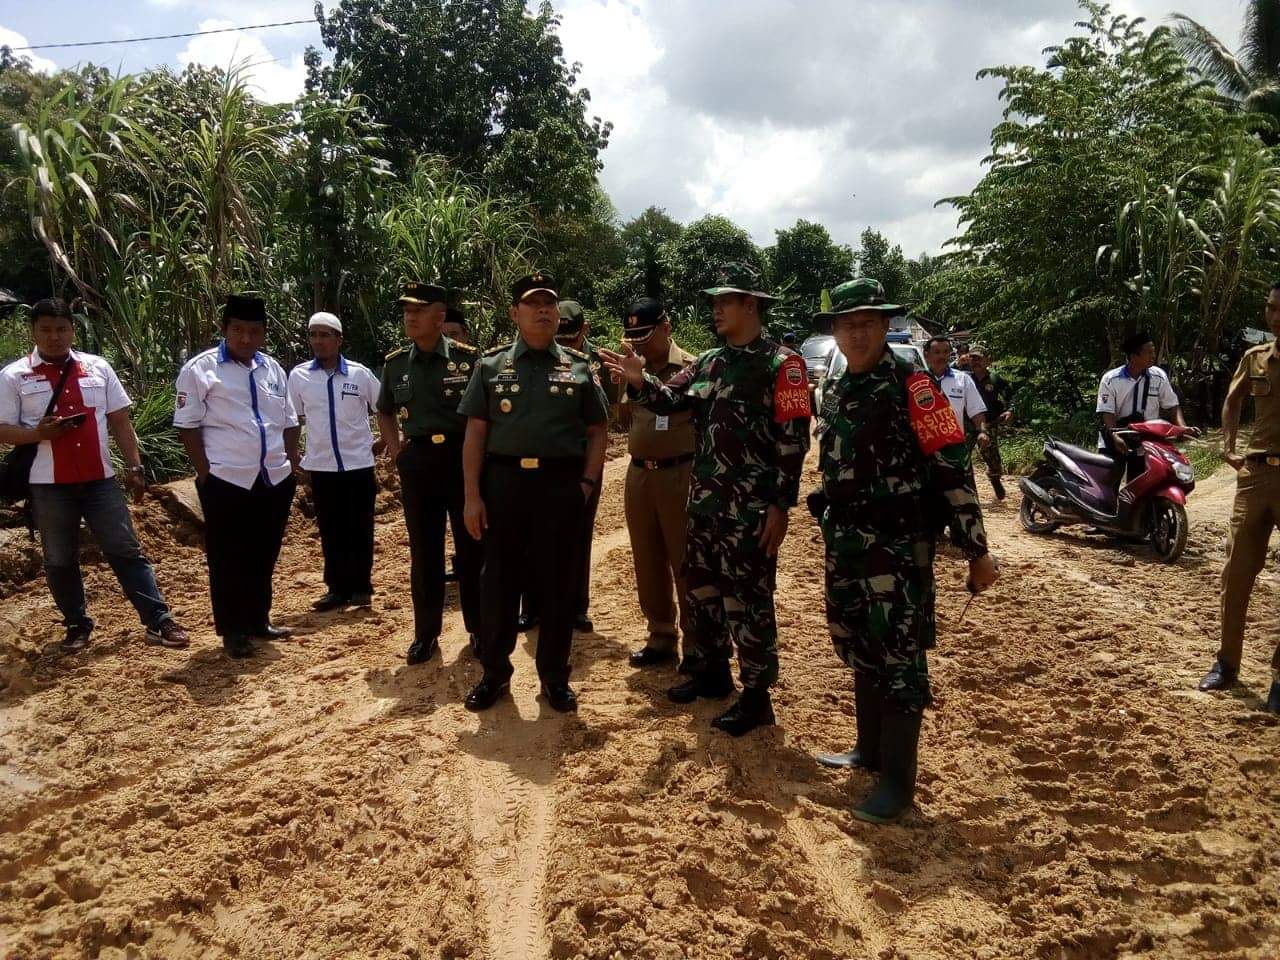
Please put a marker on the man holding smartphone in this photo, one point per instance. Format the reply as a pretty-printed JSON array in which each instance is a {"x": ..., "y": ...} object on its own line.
[{"x": 68, "y": 403}]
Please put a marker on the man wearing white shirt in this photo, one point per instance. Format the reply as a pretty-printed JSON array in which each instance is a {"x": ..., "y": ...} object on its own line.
[
  {"x": 1134, "y": 392},
  {"x": 958, "y": 387},
  {"x": 68, "y": 402},
  {"x": 240, "y": 431},
  {"x": 334, "y": 397}
]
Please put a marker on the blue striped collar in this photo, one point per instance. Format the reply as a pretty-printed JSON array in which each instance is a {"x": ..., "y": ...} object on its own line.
[
  {"x": 342, "y": 365},
  {"x": 225, "y": 357}
]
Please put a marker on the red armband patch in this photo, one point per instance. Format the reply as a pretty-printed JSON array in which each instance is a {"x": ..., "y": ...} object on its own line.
[
  {"x": 791, "y": 390},
  {"x": 932, "y": 418}
]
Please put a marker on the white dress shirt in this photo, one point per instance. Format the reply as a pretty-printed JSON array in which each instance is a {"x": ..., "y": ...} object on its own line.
[
  {"x": 242, "y": 411},
  {"x": 962, "y": 393},
  {"x": 336, "y": 405},
  {"x": 92, "y": 387},
  {"x": 1143, "y": 396}
]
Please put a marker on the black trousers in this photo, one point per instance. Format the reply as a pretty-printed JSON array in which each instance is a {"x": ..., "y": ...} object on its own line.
[
  {"x": 344, "y": 513},
  {"x": 432, "y": 492},
  {"x": 243, "y": 530},
  {"x": 582, "y": 575},
  {"x": 535, "y": 518}
]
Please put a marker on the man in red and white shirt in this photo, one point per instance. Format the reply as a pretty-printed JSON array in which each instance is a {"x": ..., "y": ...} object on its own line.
[{"x": 68, "y": 403}]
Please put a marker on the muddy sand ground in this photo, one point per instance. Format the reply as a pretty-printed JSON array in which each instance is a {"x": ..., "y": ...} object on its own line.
[{"x": 1078, "y": 797}]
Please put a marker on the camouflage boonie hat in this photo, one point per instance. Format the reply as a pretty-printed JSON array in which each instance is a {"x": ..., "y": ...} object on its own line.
[
  {"x": 861, "y": 294},
  {"x": 739, "y": 278}
]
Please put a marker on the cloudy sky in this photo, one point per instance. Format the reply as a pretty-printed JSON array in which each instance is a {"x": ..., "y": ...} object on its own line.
[{"x": 850, "y": 112}]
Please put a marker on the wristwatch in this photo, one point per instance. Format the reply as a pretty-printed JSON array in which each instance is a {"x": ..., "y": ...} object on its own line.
[{"x": 138, "y": 469}]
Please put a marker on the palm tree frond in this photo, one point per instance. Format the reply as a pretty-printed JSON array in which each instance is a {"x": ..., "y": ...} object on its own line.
[{"x": 1209, "y": 57}]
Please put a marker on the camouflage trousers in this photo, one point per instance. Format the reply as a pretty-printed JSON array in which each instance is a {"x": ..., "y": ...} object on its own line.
[
  {"x": 991, "y": 453},
  {"x": 880, "y": 599},
  {"x": 729, "y": 583}
]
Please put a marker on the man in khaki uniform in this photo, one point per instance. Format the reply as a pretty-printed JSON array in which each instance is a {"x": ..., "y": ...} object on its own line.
[
  {"x": 1257, "y": 507},
  {"x": 657, "y": 490}
]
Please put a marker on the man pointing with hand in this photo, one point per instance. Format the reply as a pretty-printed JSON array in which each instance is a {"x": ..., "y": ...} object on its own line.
[{"x": 750, "y": 404}]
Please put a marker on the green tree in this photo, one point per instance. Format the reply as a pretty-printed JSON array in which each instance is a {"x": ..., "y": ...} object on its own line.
[
  {"x": 806, "y": 259},
  {"x": 483, "y": 83},
  {"x": 699, "y": 252},
  {"x": 1112, "y": 107},
  {"x": 23, "y": 265},
  {"x": 877, "y": 259},
  {"x": 647, "y": 242},
  {"x": 1249, "y": 78}
]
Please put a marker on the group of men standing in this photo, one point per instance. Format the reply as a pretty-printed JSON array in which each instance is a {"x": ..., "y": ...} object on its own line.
[{"x": 506, "y": 448}]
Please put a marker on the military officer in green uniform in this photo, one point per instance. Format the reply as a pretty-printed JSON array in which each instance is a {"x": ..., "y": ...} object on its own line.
[
  {"x": 750, "y": 406},
  {"x": 534, "y": 453},
  {"x": 573, "y": 333},
  {"x": 894, "y": 467},
  {"x": 419, "y": 422}
]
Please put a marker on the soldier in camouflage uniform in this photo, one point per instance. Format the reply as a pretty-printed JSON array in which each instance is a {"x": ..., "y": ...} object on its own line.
[
  {"x": 895, "y": 469},
  {"x": 750, "y": 405}
]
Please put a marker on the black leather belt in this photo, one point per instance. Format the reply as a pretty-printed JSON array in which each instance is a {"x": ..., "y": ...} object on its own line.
[
  {"x": 1270, "y": 459},
  {"x": 661, "y": 464},
  {"x": 435, "y": 439},
  {"x": 538, "y": 463}
]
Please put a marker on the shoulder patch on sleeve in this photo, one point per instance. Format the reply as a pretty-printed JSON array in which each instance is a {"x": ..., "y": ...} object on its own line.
[
  {"x": 932, "y": 418},
  {"x": 791, "y": 390}
]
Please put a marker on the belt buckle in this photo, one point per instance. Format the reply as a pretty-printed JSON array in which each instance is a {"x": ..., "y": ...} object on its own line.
[
  {"x": 651, "y": 464},
  {"x": 437, "y": 438},
  {"x": 528, "y": 463},
  {"x": 1271, "y": 461}
]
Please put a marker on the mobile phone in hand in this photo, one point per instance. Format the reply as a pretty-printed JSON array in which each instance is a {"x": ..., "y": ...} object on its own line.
[{"x": 74, "y": 420}]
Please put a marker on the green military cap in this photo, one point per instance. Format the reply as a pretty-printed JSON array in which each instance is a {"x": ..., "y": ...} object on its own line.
[
  {"x": 537, "y": 282},
  {"x": 739, "y": 278},
  {"x": 861, "y": 294},
  {"x": 415, "y": 291},
  {"x": 571, "y": 317}
]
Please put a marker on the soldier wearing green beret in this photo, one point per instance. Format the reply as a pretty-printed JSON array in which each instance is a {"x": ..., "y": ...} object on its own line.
[
  {"x": 422, "y": 384},
  {"x": 894, "y": 466},
  {"x": 536, "y": 424},
  {"x": 750, "y": 405}
]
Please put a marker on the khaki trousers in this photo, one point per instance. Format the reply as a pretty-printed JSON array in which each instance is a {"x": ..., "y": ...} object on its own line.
[
  {"x": 1255, "y": 515},
  {"x": 656, "y": 503}
]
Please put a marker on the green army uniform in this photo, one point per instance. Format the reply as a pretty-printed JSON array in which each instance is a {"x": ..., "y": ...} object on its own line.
[
  {"x": 750, "y": 407},
  {"x": 538, "y": 405},
  {"x": 997, "y": 394},
  {"x": 423, "y": 389},
  {"x": 1256, "y": 511},
  {"x": 894, "y": 467}
]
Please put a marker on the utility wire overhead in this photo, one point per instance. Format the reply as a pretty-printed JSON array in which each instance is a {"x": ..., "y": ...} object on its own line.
[{"x": 166, "y": 36}]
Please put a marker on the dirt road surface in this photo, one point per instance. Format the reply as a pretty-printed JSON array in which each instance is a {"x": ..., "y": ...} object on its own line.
[{"x": 1078, "y": 799}]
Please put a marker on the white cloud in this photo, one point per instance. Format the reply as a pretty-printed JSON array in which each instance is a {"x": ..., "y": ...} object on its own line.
[
  {"x": 771, "y": 110},
  {"x": 269, "y": 79},
  {"x": 11, "y": 38}
]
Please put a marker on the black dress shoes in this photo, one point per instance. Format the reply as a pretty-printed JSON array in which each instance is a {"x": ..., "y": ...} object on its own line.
[
  {"x": 1219, "y": 677},
  {"x": 526, "y": 622},
  {"x": 362, "y": 599},
  {"x": 753, "y": 709},
  {"x": 649, "y": 657},
  {"x": 560, "y": 696},
  {"x": 330, "y": 601},
  {"x": 583, "y": 624},
  {"x": 272, "y": 632},
  {"x": 421, "y": 650},
  {"x": 1273, "y": 699},
  {"x": 485, "y": 694},
  {"x": 237, "y": 646}
]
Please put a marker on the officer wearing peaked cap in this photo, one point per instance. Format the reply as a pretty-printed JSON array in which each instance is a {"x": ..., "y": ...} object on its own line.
[
  {"x": 418, "y": 419},
  {"x": 533, "y": 459}
]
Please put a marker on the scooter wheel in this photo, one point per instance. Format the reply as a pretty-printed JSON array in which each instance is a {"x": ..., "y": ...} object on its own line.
[
  {"x": 1034, "y": 517},
  {"x": 1168, "y": 530}
]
